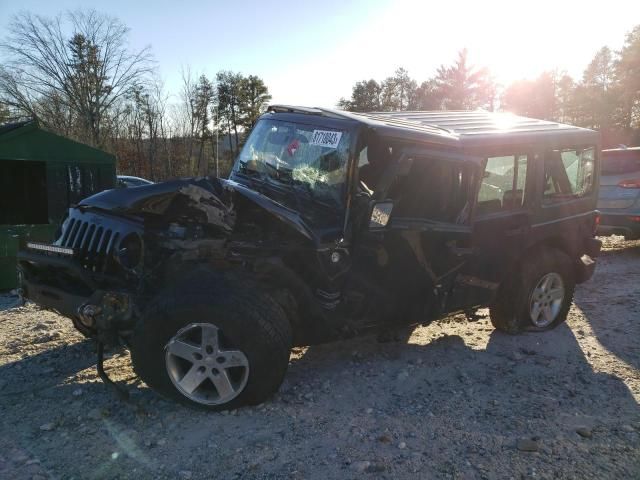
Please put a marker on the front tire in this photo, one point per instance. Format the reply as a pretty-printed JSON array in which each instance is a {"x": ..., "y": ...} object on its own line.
[
  {"x": 539, "y": 298},
  {"x": 213, "y": 344}
]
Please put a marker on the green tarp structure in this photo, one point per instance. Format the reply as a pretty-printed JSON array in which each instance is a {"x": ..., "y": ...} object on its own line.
[{"x": 41, "y": 175}]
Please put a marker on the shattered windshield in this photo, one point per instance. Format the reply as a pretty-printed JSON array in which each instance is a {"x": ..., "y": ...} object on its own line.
[{"x": 310, "y": 159}]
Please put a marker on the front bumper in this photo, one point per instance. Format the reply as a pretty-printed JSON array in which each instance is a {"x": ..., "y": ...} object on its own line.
[
  {"x": 104, "y": 315},
  {"x": 61, "y": 284}
]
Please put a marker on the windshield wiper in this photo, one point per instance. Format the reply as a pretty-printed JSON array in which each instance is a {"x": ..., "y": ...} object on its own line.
[{"x": 280, "y": 173}]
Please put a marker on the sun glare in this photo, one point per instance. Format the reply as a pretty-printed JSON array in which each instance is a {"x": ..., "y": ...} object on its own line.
[
  {"x": 505, "y": 121},
  {"x": 512, "y": 42}
]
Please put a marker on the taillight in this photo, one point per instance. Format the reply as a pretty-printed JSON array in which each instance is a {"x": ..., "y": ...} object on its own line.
[
  {"x": 630, "y": 183},
  {"x": 596, "y": 223}
]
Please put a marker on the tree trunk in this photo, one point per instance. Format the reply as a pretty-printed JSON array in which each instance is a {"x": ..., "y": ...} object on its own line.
[
  {"x": 153, "y": 135},
  {"x": 229, "y": 136},
  {"x": 235, "y": 122},
  {"x": 214, "y": 151},
  {"x": 202, "y": 167}
]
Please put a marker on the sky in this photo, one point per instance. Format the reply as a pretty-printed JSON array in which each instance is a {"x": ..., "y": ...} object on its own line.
[{"x": 311, "y": 53}]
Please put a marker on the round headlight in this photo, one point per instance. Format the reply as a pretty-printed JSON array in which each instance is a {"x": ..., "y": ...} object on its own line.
[{"x": 129, "y": 253}]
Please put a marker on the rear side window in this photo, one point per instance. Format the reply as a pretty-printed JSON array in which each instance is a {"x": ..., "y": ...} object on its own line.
[
  {"x": 620, "y": 162},
  {"x": 568, "y": 174},
  {"x": 503, "y": 184}
]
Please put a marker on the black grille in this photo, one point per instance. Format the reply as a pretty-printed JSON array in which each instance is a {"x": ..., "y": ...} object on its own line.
[{"x": 94, "y": 238}]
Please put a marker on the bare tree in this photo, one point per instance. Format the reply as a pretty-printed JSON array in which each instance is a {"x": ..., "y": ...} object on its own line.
[
  {"x": 152, "y": 102},
  {"x": 204, "y": 98},
  {"x": 197, "y": 97},
  {"x": 188, "y": 112},
  {"x": 159, "y": 99},
  {"x": 80, "y": 60}
]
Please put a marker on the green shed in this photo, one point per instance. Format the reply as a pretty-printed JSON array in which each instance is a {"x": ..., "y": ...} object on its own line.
[{"x": 41, "y": 175}]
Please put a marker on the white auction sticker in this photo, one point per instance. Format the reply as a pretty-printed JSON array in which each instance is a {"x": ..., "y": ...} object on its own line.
[{"x": 325, "y": 138}]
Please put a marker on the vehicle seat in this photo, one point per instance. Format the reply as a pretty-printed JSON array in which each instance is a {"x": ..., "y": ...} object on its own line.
[
  {"x": 488, "y": 207},
  {"x": 378, "y": 157},
  {"x": 512, "y": 199}
]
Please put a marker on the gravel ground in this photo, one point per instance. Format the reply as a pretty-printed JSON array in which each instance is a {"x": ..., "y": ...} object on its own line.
[{"x": 456, "y": 400}]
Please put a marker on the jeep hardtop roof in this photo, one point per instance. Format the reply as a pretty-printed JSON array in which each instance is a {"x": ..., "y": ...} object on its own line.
[{"x": 458, "y": 128}]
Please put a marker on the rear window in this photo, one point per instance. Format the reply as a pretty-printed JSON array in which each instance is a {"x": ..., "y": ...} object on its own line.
[
  {"x": 568, "y": 174},
  {"x": 620, "y": 162}
]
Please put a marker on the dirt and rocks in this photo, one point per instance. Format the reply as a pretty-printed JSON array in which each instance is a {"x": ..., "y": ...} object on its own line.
[{"x": 456, "y": 400}]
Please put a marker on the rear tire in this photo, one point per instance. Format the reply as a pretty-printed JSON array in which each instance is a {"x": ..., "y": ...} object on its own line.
[
  {"x": 539, "y": 298},
  {"x": 242, "y": 360}
]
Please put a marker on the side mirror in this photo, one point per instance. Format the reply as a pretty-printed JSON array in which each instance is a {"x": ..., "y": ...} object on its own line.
[{"x": 380, "y": 214}]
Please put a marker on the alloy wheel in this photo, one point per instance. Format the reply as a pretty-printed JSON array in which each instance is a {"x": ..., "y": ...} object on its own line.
[
  {"x": 546, "y": 300},
  {"x": 202, "y": 368}
]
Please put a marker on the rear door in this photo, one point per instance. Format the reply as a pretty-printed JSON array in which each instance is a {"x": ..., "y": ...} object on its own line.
[{"x": 500, "y": 227}]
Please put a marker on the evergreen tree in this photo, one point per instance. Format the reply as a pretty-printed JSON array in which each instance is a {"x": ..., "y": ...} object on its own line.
[
  {"x": 398, "y": 92},
  {"x": 254, "y": 98},
  {"x": 365, "y": 97},
  {"x": 464, "y": 87},
  {"x": 627, "y": 75},
  {"x": 532, "y": 98},
  {"x": 598, "y": 95},
  {"x": 229, "y": 89}
]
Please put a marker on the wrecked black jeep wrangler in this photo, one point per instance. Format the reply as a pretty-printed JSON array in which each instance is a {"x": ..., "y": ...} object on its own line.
[{"x": 331, "y": 224}]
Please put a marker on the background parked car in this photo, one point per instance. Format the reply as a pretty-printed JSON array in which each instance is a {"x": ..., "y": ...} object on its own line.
[
  {"x": 127, "y": 181},
  {"x": 619, "y": 201}
]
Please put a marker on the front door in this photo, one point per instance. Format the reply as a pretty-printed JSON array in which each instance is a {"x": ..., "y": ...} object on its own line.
[{"x": 414, "y": 260}]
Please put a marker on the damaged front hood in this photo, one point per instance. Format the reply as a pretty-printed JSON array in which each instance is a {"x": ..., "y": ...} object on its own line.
[
  {"x": 201, "y": 198},
  {"x": 208, "y": 200}
]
